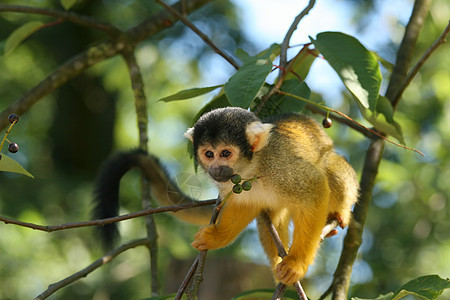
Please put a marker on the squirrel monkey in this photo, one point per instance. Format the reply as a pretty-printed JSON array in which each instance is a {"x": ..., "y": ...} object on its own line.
[{"x": 300, "y": 179}]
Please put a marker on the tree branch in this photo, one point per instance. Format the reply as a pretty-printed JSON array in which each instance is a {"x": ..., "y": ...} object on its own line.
[
  {"x": 102, "y": 222},
  {"x": 353, "y": 239},
  {"x": 406, "y": 50},
  {"x": 439, "y": 41},
  {"x": 137, "y": 85},
  {"x": 197, "y": 31},
  {"x": 282, "y": 253},
  {"x": 93, "y": 55},
  {"x": 89, "y": 269},
  {"x": 290, "y": 32},
  {"x": 72, "y": 17}
]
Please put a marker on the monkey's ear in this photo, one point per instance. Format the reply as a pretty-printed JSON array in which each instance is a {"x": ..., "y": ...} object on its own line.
[
  {"x": 190, "y": 134},
  {"x": 258, "y": 134}
]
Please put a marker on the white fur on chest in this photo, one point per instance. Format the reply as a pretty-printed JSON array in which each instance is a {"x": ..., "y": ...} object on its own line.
[{"x": 257, "y": 196}]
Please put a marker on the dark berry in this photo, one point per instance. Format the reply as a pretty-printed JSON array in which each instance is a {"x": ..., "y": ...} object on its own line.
[
  {"x": 237, "y": 189},
  {"x": 326, "y": 123},
  {"x": 246, "y": 185},
  {"x": 13, "y": 148},
  {"x": 236, "y": 178},
  {"x": 13, "y": 118}
]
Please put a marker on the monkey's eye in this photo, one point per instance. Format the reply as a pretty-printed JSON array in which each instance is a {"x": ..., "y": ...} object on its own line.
[
  {"x": 209, "y": 154},
  {"x": 225, "y": 153}
]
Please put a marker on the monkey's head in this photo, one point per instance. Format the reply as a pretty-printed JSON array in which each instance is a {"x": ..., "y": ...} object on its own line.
[{"x": 225, "y": 140}]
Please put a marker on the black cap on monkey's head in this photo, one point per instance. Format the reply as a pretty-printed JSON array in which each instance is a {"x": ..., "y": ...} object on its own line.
[{"x": 223, "y": 125}]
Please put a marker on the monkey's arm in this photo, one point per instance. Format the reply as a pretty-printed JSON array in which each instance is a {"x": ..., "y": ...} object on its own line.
[
  {"x": 166, "y": 192},
  {"x": 233, "y": 218}
]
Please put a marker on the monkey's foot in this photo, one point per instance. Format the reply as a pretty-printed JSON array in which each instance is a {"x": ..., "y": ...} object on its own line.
[
  {"x": 339, "y": 218},
  {"x": 290, "y": 270},
  {"x": 208, "y": 238}
]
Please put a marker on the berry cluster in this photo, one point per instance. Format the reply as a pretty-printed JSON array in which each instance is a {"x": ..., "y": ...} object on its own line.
[
  {"x": 13, "y": 147},
  {"x": 238, "y": 187}
]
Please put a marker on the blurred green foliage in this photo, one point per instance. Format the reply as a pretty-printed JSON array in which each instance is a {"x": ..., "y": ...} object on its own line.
[{"x": 64, "y": 138}]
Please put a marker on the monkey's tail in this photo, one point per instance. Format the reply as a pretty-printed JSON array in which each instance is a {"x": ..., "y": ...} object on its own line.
[{"x": 166, "y": 192}]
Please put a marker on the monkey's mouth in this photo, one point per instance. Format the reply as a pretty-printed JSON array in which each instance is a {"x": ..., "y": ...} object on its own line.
[{"x": 221, "y": 174}]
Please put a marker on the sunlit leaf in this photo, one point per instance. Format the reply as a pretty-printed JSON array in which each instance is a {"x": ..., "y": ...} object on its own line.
[
  {"x": 271, "y": 53},
  {"x": 387, "y": 296},
  {"x": 242, "y": 88},
  {"x": 356, "y": 66},
  {"x": 387, "y": 64},
  {"x": 190, "y": 93},
  {"x": 383, "y": 119},
  {"x": 428, "y": 287},
  {"x": 67, "y": 4},
  {"x": 301, "y": 64},
  {"x": 8, "y": 164},
  {"x": 20, "y": 34}
]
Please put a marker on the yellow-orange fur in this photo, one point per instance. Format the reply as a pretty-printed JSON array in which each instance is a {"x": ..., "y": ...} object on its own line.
[{"x": 301, "y": 180}]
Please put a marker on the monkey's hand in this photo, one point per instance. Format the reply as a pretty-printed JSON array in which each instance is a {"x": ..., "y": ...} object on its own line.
[
  {"x": 209, "y": 238},
  {"x": 290, "y": 270}
]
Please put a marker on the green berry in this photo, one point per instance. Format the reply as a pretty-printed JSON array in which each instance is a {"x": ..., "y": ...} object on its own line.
[
  {"x": 246, "y": 185},
  {"x": 236, "y": 178},
  {"x": 13, "y": 148},
  {"x": 12, "y": 118},
  {"x": 237, "y": 189}
]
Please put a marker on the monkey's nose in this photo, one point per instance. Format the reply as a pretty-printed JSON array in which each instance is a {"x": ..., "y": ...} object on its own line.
[{"x": 221, "y": 173}]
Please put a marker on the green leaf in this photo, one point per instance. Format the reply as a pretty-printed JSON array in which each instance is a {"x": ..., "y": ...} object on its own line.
[
  {"x": 67, "y": 4},
  {"x": 217, "y": 102},
  {"x": 387, "y": 64},
  {"x": 279, "y": 104},
  {"x": 190, "y": 93},
  {"x": 271, "y": 53},
  {"x": 428, "y": 287},
  {"x": 8, "y": 164},
  {"x": 243, "y": 55},
  {"x": 242, "y": 88},
  {"x": 383, "y": 119},
  {"x": 356, "y": 66},
  {"x": 20, "y": 34},
  {"x": 387, "y": 296},
  {"x": 301, "y": 64}
]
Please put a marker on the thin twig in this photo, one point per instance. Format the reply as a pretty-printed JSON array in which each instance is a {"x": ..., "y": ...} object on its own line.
[
  {"x": 290, "y": 32},
  {"x": 197, "y": 31},
  {"x": 89, "y": 269},
  {"x": 279, "y": 291},
  {"x": 282, "y": 253},
  {"x": 93, "y": 55},
  {"x": 187, "y": 279},
  {"x": 198, "y": 275},
  {"x": 438, "y": 42},
  {"x": 66, "y": 16},
  {"x": 380, "y": 135},
  {"x": 102, "y": 222},
  {"x": 283, "y": 57}
]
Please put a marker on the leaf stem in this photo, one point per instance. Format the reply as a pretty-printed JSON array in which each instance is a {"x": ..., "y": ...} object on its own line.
[{"x": 349, "y": 118}]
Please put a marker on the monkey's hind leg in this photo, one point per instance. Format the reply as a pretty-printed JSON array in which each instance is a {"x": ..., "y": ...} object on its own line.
[
  {"x": 280, "y": 219},
  {"x": 344, "y": 189},
  {"x": 309, "y": 220}
]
